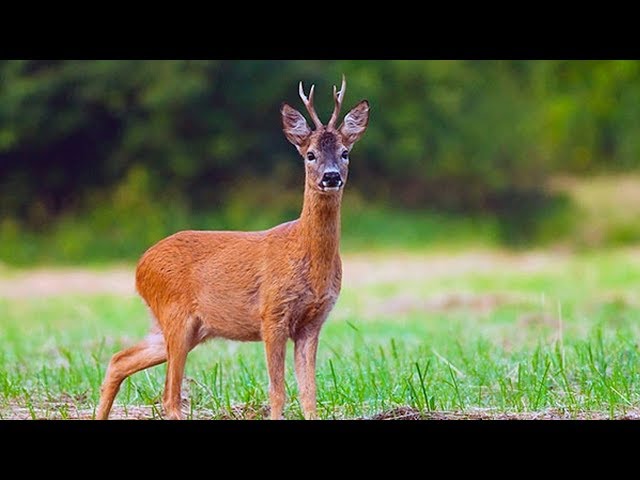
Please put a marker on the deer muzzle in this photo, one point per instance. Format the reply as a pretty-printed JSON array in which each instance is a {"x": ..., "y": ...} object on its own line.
[{"x": 331, "y": 181}]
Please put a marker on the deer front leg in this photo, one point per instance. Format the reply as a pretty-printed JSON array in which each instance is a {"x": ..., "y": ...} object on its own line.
[
  {"x": 306, "y": 348},
  {"x": 275, "y": 348}
]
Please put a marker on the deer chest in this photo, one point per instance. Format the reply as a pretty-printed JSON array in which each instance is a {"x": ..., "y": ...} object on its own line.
[
  {"x": 311, "y": 308},
  {"x": 305, "y": 297}
]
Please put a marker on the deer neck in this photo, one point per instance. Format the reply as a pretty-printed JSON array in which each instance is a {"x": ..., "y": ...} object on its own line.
[{"x": 320, "y": 226}]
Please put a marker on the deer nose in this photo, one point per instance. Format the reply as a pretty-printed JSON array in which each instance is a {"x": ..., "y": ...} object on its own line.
[{"x": 331, "y": 180}]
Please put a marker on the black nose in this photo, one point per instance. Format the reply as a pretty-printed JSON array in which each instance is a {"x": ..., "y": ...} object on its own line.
[{"x": 331, "y": 180}]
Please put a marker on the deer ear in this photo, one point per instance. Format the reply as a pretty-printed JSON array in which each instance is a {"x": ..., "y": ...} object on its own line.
[
  {"x": 355, "y": 123},
  {"x": 294, "y": 126}
]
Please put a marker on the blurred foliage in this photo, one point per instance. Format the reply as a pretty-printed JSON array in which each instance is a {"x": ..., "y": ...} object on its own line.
[{"x": 134, "y": 149}]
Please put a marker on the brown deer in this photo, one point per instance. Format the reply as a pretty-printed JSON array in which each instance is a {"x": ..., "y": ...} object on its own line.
[{"x": 268, "y": 285}]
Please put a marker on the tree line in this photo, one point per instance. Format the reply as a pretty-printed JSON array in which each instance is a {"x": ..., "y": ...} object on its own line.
[{"x": 463, "y": 136}]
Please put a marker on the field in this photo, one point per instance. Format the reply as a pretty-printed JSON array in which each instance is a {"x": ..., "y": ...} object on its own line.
[
  {"x": 490, "y": 231},
  {"x": 469, "y": 334}
]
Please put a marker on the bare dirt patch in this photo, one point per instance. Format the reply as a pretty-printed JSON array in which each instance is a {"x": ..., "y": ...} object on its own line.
[
  {"x": 46, "y": 282},
  {"x": 408, "y": 413},
  {"x": 69, "y": 411},
  {"x": 443, "y": 302},
  {"x": 369, "y": 269}
]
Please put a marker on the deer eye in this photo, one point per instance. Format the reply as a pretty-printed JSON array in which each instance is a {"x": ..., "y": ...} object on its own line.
[
  {"x": 345, "y": 154},
  {"x": 311, "y": 157}
]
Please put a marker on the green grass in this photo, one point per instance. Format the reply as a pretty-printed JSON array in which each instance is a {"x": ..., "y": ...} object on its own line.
[
  {"x": 101, "y": 238},
  {"x": 577, "y": 213},
  {"x": 561, "y": 337}
]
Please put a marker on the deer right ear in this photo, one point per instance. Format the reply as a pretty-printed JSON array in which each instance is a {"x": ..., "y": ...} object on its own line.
[{"x": 294, "y": 126}]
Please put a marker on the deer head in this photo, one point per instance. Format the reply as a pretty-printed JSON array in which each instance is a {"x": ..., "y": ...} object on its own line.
[{"x": 325, "y": 149}]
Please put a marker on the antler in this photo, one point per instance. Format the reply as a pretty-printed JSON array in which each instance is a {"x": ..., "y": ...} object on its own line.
[
  {"x": 308, "y": 102},
  {"x": 338, "y": 97}
]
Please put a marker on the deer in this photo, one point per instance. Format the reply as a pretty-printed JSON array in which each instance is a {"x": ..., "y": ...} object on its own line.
[{"x": 271, "y": 285}]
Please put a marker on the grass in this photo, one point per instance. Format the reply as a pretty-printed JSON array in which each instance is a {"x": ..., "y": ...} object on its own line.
[
  {"x": 607, "y": 208},
  {"x": 489, "y": 334},
  {"x": 571, "y": 212},
  {"x": 88, "y": 241}
]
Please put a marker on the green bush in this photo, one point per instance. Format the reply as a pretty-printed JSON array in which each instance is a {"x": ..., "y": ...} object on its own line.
[{"x": 126, "y": 150}]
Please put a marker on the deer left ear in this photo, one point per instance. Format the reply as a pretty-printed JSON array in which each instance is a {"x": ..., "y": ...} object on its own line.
[{"x": 355, "y": 123}]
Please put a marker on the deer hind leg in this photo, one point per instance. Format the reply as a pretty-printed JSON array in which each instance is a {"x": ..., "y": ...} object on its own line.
[
  {"x": 149, "y": 352},
  {"x": 180, "y": 341}
]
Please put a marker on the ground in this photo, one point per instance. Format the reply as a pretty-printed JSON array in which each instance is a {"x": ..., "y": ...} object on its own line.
[{"x": 477, "y": 334}]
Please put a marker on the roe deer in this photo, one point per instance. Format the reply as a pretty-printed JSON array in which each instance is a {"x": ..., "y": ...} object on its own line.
[{"x": 268, "y": 285}]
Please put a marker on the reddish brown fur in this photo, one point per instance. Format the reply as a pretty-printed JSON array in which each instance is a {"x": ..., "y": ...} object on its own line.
[{"x": 269, "y": 285}]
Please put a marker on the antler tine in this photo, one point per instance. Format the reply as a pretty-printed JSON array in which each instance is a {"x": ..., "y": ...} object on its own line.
[
  {"x": 338, "y": 97},
  {"x": 308, "y": 102}
]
